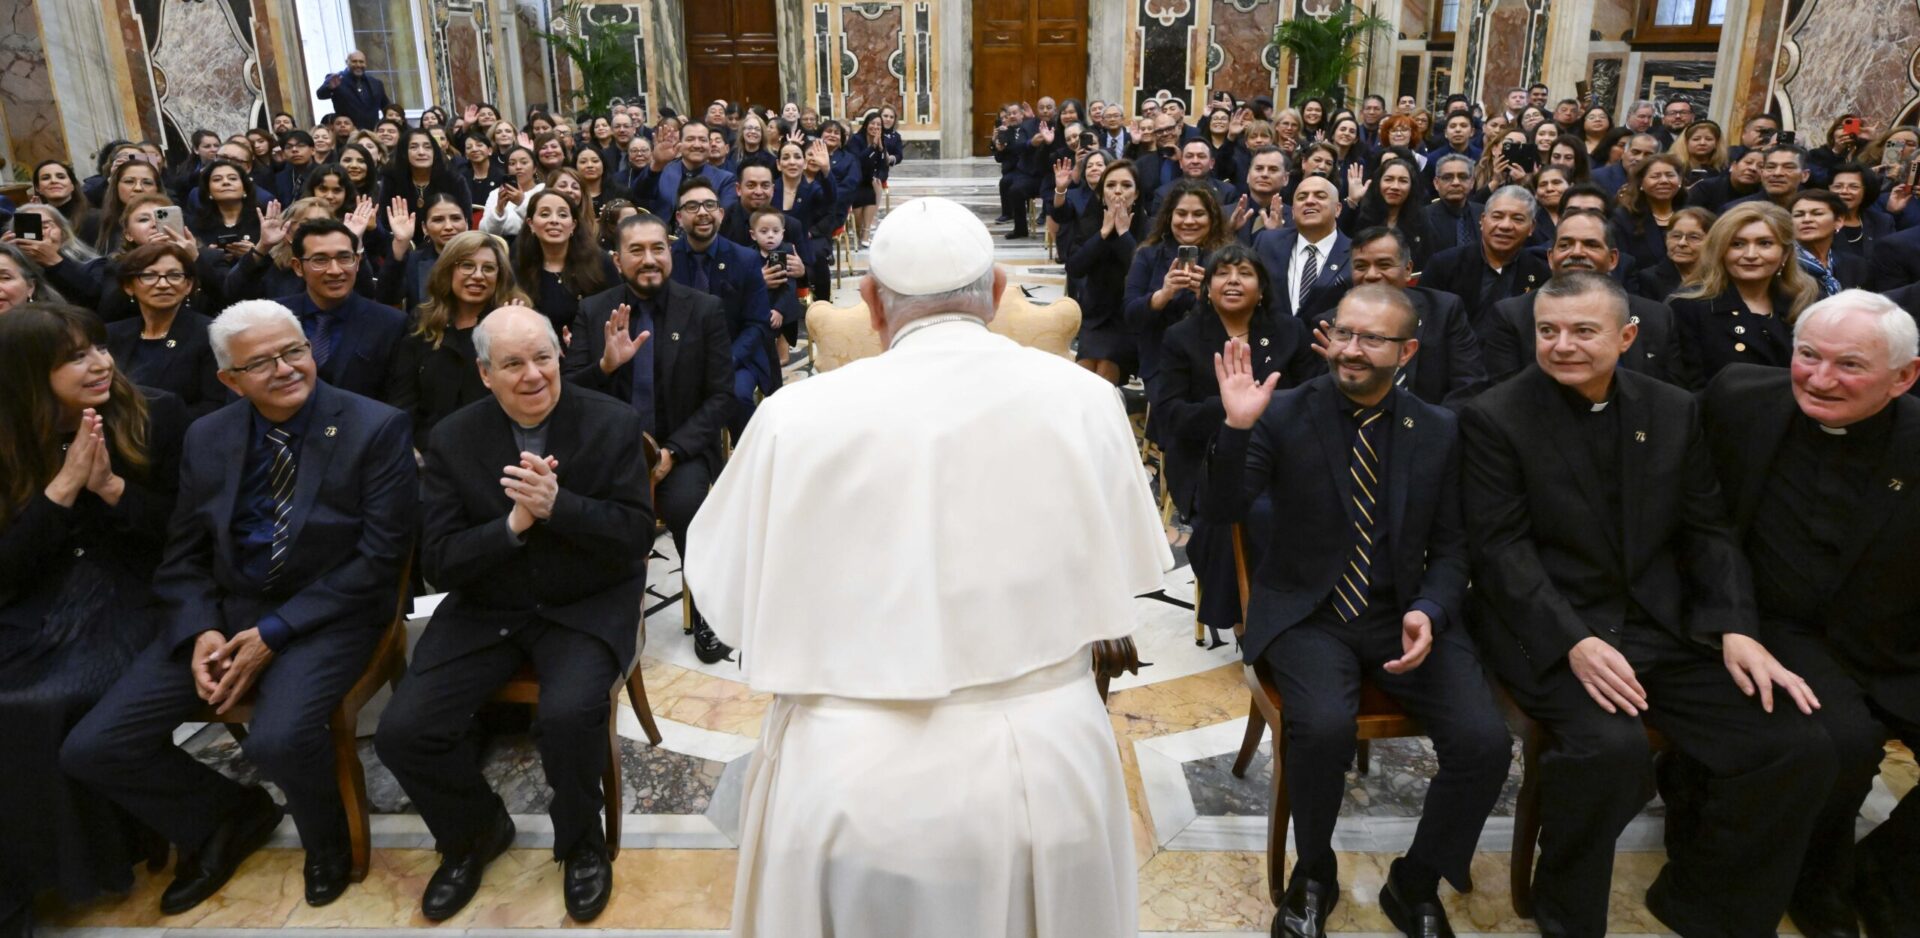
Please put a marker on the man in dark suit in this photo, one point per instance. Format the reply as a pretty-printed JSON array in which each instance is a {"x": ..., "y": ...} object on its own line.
[
  {"x": 694, "y": 163},
  {"x": 353, "y": 337},
  {"x": 1159, "y": 159},
  {"x": 537, "y": 526},
  {"x": 1196, "y": 163},
  {"x": 296, "y": 149},
  {"x": 1815, "y": 461},
  {"x": 664, "y": 347},
  {"x": 1267, "y": 172},
  {"x": 1448, "y": 366},
  {"x": 1894, "y": 261},
  {"x": 356, "y": 94},
  {"x": 711, "y": 264},
  {"x": 1638, "y": 148},
  {"x": 1307, "y": 263},
  {"x": 1351, "y": 461},
  {"x": 296, "y": 510},
  {"x": 1584, "y": 243},
  {"x": 1498, "y": 265},
  {"x": 1452, "y": 218},
  {"x": 1610, "y": 596},
  {"x": 754, "y": 188}
]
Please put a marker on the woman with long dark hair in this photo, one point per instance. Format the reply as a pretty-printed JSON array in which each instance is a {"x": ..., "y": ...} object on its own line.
[
  {"x": 1395, "y": 198},
  {"x": 55, "y": 184},
  {"x": 227, "y": 206},
  {"x": 1105, "y": 236},
  {"x": 869, "y": 147},
  {"x": 432, "y": 372},
  {"x": 556, "y": 258},
  {"x": 1165, "y": 279},
  {"x": 360, "y": 167},
  {"x": 88, "y": 469}
]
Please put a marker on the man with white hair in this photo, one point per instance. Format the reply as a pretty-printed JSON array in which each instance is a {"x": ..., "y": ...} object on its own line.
[
  {"x": 1817, "y": 462},
  {"x": 936, "y": 761},
  {"x": 537, "y": 527},
  {"x": 296, "y": 511}
]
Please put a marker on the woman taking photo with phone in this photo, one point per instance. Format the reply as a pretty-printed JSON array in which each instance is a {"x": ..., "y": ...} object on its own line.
[
  {"x": 129, "y": 180},
  {"x": 503, "y": 214},
  {"x": 1164, "y": 280}
]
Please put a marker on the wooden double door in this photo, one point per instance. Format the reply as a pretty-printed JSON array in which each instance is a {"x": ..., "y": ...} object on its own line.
[
  {"x": 1024, "y": 50},
  {"x": 733, "y": 54}
]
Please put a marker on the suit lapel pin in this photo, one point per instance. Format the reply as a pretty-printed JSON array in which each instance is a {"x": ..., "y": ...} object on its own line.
[
  {"x": 1263, "y": 342},
  {"x": 674, "y": 336},
  {"x": 171, "y": 343},
  {"x": 331, "y": 431},
  {"x": 1634, "y": 320},
  {"x": 1896, "y": 484},
  {"x": 1407, "y": 422},
  {"x": 1739, "y": 330},
  {"x": 1639, "y": 436},
  {"x": 721, "y": 266},
  {"x": 1332, "y": 267}
]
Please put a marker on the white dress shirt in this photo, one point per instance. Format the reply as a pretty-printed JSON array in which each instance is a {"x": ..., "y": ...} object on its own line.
[{"x": 1298, "y": 264}]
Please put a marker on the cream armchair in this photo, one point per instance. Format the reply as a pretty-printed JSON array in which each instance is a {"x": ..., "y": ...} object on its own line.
[{"x": 842, "y": 334}]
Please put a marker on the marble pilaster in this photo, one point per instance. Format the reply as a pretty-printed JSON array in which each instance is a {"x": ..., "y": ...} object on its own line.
[
  {"x": 1848, "y": 56},
  {"x": 1570, "y": 29},
  {"x": 791, "y": 26},
  {"x": 1107, "y": 50},
  {"x": 83, "y": 75},
  {"x": 27, "y": 100},
  {"x": 669, "y": 59}
]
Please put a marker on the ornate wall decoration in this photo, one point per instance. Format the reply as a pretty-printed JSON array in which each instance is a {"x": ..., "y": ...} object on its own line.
[
  {"x": 1166, "y": 30},
  {"x": 1848, "y": 56},
  {"x": 1504, "y": 47},
  {"x": 1604, "y": 79},
  {"x": 462, "y": 46},
  {"x": 1667, "y": 78},
  {"x": 205, "y": 72},
  {"x": 870, "y": 38},
  {"x": 1238, "y": 56},
  {"x": 862, "y": 54},
  {"x": 26, "y": 89}
]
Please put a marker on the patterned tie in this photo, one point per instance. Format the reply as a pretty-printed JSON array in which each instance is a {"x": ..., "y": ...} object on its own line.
[
  {"x": 320, "y": 336},
  {"x": 280, "y": 483},
  {"x": 1350, "y": 593},
  {"x": 1462, "y": 232},
  {"x": 1309, "y": 272}
]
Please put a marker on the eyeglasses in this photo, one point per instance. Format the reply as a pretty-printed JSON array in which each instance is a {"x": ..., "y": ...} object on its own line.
[
  {"x": 1687, "y": 238},
  {"x": 339, "y": 261},
  {"x": 695, "y": 208},
  {"x": 1372, "y": 343},
  {"x": 150, "y": 278},
  {"x": 293, "y": 355}
]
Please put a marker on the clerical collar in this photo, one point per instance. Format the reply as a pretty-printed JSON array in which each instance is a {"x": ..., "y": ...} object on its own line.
[
  {"x": 1579, "y": 403},
  {"x": 919, "y": 324},
  {"x": 1862, "y": 432}
]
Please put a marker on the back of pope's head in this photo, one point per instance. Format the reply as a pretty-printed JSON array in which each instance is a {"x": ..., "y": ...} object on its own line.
[{"x": 930, "y": 256}]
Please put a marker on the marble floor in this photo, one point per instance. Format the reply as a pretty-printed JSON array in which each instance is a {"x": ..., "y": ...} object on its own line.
[{"x": 1199, "y": 833}]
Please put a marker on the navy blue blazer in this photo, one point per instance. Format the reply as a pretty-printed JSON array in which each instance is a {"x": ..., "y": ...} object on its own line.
[
  {"x": 1298, "y": 453},
  {"x": 1275, "y": 248},
  {"x": 182, "y": 364},
  {"x": 1458, "y": 270},
  {"x": 355, "y": 501},
  {"x": 364, "y": 335},
  {"x": 362, "y": 99},
  {"x": 742, "y": 292},
  {"x": 1448, "y": 365},
  {"x": 666, "y": 194},
  {"x": 1894, "y": 260}
]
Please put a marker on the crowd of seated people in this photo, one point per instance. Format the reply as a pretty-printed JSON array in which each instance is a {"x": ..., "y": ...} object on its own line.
[{"x": 1617, "y": 398}]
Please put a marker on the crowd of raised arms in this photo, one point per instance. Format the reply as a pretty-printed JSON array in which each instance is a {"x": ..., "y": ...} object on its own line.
[{"x": 245, "y": 389}]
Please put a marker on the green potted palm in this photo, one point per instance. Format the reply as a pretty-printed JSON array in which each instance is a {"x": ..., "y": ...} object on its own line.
[
  {"x": 1325, "y": 51},
  {"x": 603, "y": 58}
]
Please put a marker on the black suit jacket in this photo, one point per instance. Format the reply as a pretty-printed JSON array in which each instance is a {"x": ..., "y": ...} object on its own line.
[
  {"x": 1458, "y": 271},
  {"x": 1299, "y": 453},
  {"x": 584, "y": 568},
  {"x": 1443, "y": 229},
  {"x": 1718, "y": 331},
  {"x": 1656, "y": 282},
  {"x": 362, "y": 103},
  {"x": 1551, "y": 568},
  {"x": 692, "y": 369},
  {"x": 182, "y": 365},
  {"x": 1872, "y": 613},
  {"x": 1186, "y": 397},
  {"x": 364, "y": 336},
  {"x": 355, "y": 499},
  {"x": 1655, "y": 353},
  {"x": 1275, "y": 247},
  {"x": 1450, "y": 363},
  {"x": 1894, "y": 260}
]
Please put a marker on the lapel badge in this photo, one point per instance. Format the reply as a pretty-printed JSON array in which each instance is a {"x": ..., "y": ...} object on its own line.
[
  {"x": 1263, "y": 342},
  {"x": 332, "y": 431},
  {"x": 1332, "y": 267},
  {"x": 1896, "y": 484},
  {"x": 1407, "y": 422},
  {"x": 674, "y": 336},
  {"x": 1639, "y": 436},
  {"x": 1635, "y": 320},
  {"x": 721, "y": 266},
  {"x": 1739, "y": 330},
  {"x": 1739, "y": 346},
  {"x": 171, "y": 343}
]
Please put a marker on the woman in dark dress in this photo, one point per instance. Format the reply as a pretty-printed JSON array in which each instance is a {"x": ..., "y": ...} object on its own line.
[
  {"x": 1749, "y": 290},
  {"x": 404, "y": 286},
  {"x": 1161, "y": 287},
  {"x": 432, "y": 372},
  {"x": 869, "y": 147},
  {"x": 1104, "y": 239},
  {"x": 1186, "y": 405},
  {"x": 166, "y": 346},
  {"x": 556, "y": 258},
  {"x": 87, "y": 478}
]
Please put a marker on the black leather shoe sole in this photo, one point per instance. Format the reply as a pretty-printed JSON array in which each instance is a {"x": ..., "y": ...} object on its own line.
[
  {"x": 248, "y": 833},
  {"x": 494, "y": 843}
]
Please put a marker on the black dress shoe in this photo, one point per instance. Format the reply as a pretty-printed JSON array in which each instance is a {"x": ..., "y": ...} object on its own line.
[
  {"x": 1002, "y": 219},
  {"x": 1304, "y": 909},
  {"x": 1677, "y": 917},
  {"x": 1415, "y": 912},
  {"x": 707, "y": 646},
  {"x": 1821, "y": 910},
  {"x": 326, "y": 873},
  {"x": 247, "y": 829},
  {"x": 1872, "y": 900},
  {"x": 587, "y": 881},
  {"x": 458, "y": 877}
]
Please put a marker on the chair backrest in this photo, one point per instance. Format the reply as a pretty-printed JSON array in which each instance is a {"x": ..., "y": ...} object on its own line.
[{"x": 842, "y": 334}]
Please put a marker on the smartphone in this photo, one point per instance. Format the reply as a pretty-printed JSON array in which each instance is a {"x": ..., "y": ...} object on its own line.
[
  {"x": 1583, "y": 90},
  {"x": 1789, "y": 137},
  {"x": 1524, "y": 155},
  {"x": 231, "y": 237},
  {"x": 26, "y": 226},
  {"x": 1088, "y": 141},
  {"x": 1851, "y": 126},
  {"x": 168, "y": 216},
  {"x": 1188, "y": 254}
]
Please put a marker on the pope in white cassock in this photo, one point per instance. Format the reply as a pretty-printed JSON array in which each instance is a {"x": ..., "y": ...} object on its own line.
[{"x": 913, "y": 553}]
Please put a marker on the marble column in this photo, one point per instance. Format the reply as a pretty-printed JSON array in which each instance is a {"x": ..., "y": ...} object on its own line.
[
  {"x": 790, "y": 27},
  {"x": 83, "y": 75},
  {"x": 34, "y": 129},
  {"x": 1107, "y": 51},
  {"x": 669, "y": 65},
  {"x": 1569, "y": 33},
  {"x": 956, "y": 85}
]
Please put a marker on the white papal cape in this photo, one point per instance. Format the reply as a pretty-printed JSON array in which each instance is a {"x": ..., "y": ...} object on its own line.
[{"x": 913, "y": 553}]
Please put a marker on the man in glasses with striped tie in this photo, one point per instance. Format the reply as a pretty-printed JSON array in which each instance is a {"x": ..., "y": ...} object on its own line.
[
  {"x": 296, "y": 510},
  {"x": 1366, "y": 582}
]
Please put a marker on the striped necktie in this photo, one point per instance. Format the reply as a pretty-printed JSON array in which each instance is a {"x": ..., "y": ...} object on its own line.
[
  {"x": 1350, "y": 593},
  {"x": 280, "y": 483},
  {"x": 1309, "y": 272}
]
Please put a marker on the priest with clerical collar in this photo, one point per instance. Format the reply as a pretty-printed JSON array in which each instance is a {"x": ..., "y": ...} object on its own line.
[{"x": 974, "y": 516}]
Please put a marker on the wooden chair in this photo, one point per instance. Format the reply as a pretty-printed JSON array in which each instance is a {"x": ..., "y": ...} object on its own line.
[
  {"x": 1112, "y": 658},
  {"x": 1379, "y": 718},
  {"x": 384, "y": 668}
]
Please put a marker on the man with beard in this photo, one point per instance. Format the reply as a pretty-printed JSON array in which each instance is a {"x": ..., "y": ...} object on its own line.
[
  {"x": 1448, "y": 367},
  {"x": 1453, "y": 219},
  {"x": 1611, "y": 596},
  {"x": 356, "y": 95},
  {"x": 663, "y": 346},
  {"x": 1350, "y": 459},
  {"x": 1741, "y": 180},
  {"x": 1806, "y": 455},
  {"x": 755, "y": 192},
  {"x": 694, "y": 163},
  {"x": 1266, "y": 181},
  {"x": 732, "y": 274},
  {"x": 1584, "y": 243},
  {"x": 1307, "y": 263},
  {"x": 1159, "y": 158},
  {"x": 551, "y": 577},
  {"x": 353, "y": 337},
  {"x": 1674, "y": 119},
  {"x": 1498, "y": 265}
]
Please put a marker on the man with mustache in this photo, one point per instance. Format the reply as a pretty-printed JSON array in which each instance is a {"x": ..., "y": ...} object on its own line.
[
  {"x": 1448, "y": 368},
  {"x": 353, "y": 337},
  {"x": 663, "y": 346},
  {"x": 1495, "y": 267},
  {"x": 1366, "y": 581},
  {"x": 1584, "y": 243}
]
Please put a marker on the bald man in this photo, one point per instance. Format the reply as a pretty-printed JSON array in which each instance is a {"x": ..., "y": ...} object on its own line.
[
  {"x": 356, "y": 95},
  {"x": 538, "y": 522}
]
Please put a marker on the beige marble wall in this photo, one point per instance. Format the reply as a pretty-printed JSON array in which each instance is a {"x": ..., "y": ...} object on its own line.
[
  {"x": 1841, "y": 56},
  {"x": 27, "y": 101}
]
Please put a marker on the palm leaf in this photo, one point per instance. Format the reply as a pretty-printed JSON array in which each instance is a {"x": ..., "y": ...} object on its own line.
[
  {"x": 1325, "y": 51},
  {"x": 604, "y": 58}
]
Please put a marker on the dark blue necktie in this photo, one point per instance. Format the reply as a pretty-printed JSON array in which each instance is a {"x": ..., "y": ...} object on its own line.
[
  {"x": 703, "y": 271},
  {"x": 641, "y": 376},
  {"x": 1462, "y": 233},
  {"x": 1350, "y": 593},
  {"x": 319, "y": 329}
]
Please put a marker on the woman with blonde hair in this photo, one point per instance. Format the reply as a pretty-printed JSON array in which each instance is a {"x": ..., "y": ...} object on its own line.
[
  {"x": 1740, "y": 304},
  {"x": 432, "y": 372},
  {"x": 1701, "y": 150}
]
